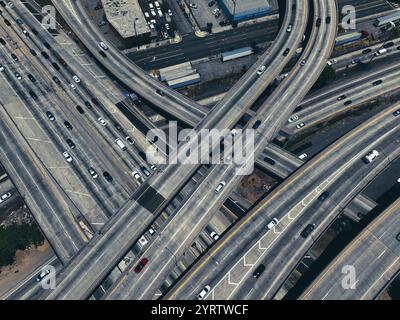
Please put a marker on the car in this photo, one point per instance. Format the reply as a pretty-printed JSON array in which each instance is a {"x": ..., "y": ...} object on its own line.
[
  {"x": 318, "y": 22},
  {"x": 7, "y": 22},
  {"x": 167, "y": 26},
  {"x": 331, "y": 62},
  {"x": 398, "y": 48},
  {"x": 42, "y": 274},
  {"x": 398, "y": 237},
  {"x": 396, "y": 113},
  {"x": 102, "y": 23},
  {"x": 19, "y": 21},
  {"x": 270, "y": 161},
  {"x": 272, "y": 224},
  {"x": 33, "y": 95},
  {"x": 62, "y": 61},
  {"x": 307, "y": 230},
  {"x": 380, "y": 52},
  {"x": 95, "y": 101},
  {"x": 70, "y": 143},
  {"x": 129, "y": 139},
  {"x": 102, "y": 53},
  {"x": 142, "y": 263},
  {"x": 343, "y": 96},
  {"x": 3, "y": 42},
  {"x": 348, "y": 102},
  {"x": 156, "y": 4},
  {"x": 56, "y": 80},
  {"x": 328, "y": 19},
  {"x": 25, "y": 32},
  {"x": 169, "y": 12},
  {"x": 153, "y": 13},
  {"x": 107, "y": 176},
  {"x": 151, "y": 231},
  {"x": 67, "y": 125},
  {"x": 145, "y": 171},
  {"x": 160, "y": 92},
  {"x": 80, "y": 110},
  {"x": 215, "y": 11},
  {"x": 45, "y": 55},
  {"x": 10, "y": 4},
  {"x": 73, "y": 87},
  {"x": 47, "y": 45},
  {"x": 50, "y": 116},
  {"x": 56, "y": 66},
  {"x": 214, "y": 236},
  {"x": 33, "y": 52},
  {"x": 14, "y": 57},
  {"x": 136, "y": 175},
  {"x": 220, "y": 186},
  {"x": 323, "y": 196},
  {"x": 93, "y": 173},
  {"x": 102, "y": 121},
  {"x": 88, "y": 105},
  {"x": 303, "y": 156},
  {"x": 388, "y": 44},
  {"x": 370, "y": 156},
  {"x": 160, "y": 14},
  {"x": 153, "y": 167},
  {"x": 193, "y": 5},
  {"x": 377, "y": 82},
  {"x": 366, "y": 51},
  {"x": 103, "y": 46},
  {"x": 257, "y": 124},
  {"x": 2, "y": 4},
  {"x": 76, "y": 79},
  {"x": 203, "y": 292},
  {"x": 234, "y": 132},
  {"x": 289, "y": 28},
  {"x": 303, "y": 62},
  {"x": 1, "y": 68},
  {"x": 355, "y": 61},
  {"x": 18, "y": 76},
  {"x": 300, "y": 125},
  {"x": 5, "y": 196},
  {"x": 258, "y": 271},
  {"x": 117, "y": 126},
  {"x": 98, "y": 7},
  {"x": 293, "y": 118},
  {"x": 261, "y": 70},
  {"x": 67, "y": 156},
  {"x": 285, "y": 53},
  {"x": 211, "y": 3}
]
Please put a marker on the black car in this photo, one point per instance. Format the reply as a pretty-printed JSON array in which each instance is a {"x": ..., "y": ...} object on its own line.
[
  {"x": 307, "y": 230},
  {"x": 2, "y": 4},
  {"x": 68, "y": 125},
  {"x": 80, "y": 110},
  {"x": 95, "y": 101},
  {"x": 2, "y": 41},
  {"x": 117, "y": 126},
  {"x": 107, "y": 176},
  {"x": 377, "y": 82},
  {"x": 7, "y": 22},
  {"x": 70, "y": 143},
  {"x": 56, "y": 80},
  {"x": 34, "y": 31},
  {"x": 19, "y": 21},
  {"x": 211, "y": 3},
  {"x": 160, "y": 92},
  {"x": 343, "y": 96},
  {"x": 88, "y": 105},
  {"x": 299, "y": 108},
  {"x": 103, "y": 54},
  {"x": 348, "y": 102},
  {"x": 323, "y": 196},
  {"x": 56, "y": 66},
  {"x": 45, "y": 55},
  {"x": 285, "y": 53},
  {"x": 33, "y": 95},
  {"x": 15, "y": 58},
  {"x": 398, "y": 48},
  {"x": 328, "y": 19},
  {"x": 256, "y": 124},
  {"x": 259, "y": 270},
  {"x": 32, "y": 78},
  {"x": 396, "y": 113},
  {"x": 368, "y": 50},
  {"x": 269, "y": 160},
  {"x": 33, "y": 52},
  {"x": 388, "y": 44},
  {"x": 398, "y": 237},
  {"x": 318, "y": 22},
  {"x": 62, "y": 61},
  {"x": 47, "y": 45}
]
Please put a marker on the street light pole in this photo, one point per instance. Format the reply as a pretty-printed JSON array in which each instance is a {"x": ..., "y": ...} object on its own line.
[{"x": 234, "y": 10}]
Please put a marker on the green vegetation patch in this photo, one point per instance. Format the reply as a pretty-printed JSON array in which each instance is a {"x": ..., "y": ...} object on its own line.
[{"x": 17, "y": 237}]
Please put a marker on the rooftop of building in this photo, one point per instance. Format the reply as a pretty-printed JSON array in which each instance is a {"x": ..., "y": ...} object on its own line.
[{"x": 246, "y": 5}]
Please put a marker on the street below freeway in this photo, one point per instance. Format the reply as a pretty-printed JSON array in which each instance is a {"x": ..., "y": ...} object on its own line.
[
  {"x": 230, "y": 262},
  {"x": 375, "y": 256}
]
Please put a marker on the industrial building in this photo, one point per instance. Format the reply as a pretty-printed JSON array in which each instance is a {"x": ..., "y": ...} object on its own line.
[
  {"x": 127, "y": 19},
  {"x": 395, "y": 17},
  {"x": 240, "y": 10},
  {"x": 180, "y": 75}
]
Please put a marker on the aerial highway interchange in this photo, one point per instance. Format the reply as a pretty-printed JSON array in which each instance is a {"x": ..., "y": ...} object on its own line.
[{"x": 77, "y": 106}]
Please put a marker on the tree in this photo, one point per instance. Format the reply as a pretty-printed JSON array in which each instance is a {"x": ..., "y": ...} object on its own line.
[{"x": 327, "y": 76}]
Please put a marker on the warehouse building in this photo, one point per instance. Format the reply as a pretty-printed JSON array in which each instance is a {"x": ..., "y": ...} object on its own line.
[
  {"x": 128, "y": 21},
  {"x": 240, "y": 10}
]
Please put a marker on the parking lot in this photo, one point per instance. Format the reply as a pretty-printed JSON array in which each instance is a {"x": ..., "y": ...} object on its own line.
[{"x": 207, "y": 11}]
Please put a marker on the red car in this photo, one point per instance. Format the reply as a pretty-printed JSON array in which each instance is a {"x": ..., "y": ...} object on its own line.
[{"x": 141, "y": 265}]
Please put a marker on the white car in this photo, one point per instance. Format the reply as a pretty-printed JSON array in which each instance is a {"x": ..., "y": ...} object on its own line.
[
  {"x": 193, "y": 5},
  {"x": 380, "y": 52},
  {"x": 72, "y": 86},
  {"x": 215, "y": 11},
  {"x": 5, "y": 196},
  {"x": 331, "y": 62},
  {"x": 67, "y": 156},
  {"x": 10, "y": 4},
  {"x": 234, "y": 132},
  {"x": 203, "y": 292},
  {"x": 293, "y": 118},
  {"x": 303, "y": 156},
  {"x": 18, "y": 76},
  {"x": 300, "y": 125},
  {"x": 103, "y": 46},
  {"x": 156, "y": 4},
  {"x": 261, "y": 70},
  {"x": 160, "y": 13},
  {"x": 1, "y": 68},
  {"x": 371, "y": 156},
  {"x": 151, "y": 5},
  {"x": 93, "y": 173},
  {"x": 42, "y": 274},
  {"x": 25, "y": 32},
  {"x": 289, "y": 28},
  {"x": 153, "y": 13},
  {"x": 220, "y": 186},
  {"x": 136, "y": 175},
  {"x": 153, "y": 167},
  {"x": 102, "y": 121},
  {"x": 76, "y": 79},
  {"x": 129, "y": 139},
  {"x": 169, "y": 12},
  {"x": 151, "y": 231},
  {"x": 272, "y": 223},
  {"x": 214, "y": 236}
]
